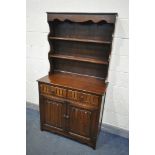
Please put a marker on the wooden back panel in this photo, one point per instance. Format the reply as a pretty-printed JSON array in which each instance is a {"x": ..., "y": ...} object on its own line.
[
  {"x": 81, "y": 68},
  {"x": 86, "y": 30}
]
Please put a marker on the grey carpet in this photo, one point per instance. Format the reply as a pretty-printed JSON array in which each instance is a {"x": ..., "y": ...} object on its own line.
[{"x": 45, "y": 143}]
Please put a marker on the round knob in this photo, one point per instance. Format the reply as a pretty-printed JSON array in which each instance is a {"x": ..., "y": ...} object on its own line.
[{"x": 67, "y": 116}]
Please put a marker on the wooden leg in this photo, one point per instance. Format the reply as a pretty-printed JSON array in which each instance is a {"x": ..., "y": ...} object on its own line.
[{"x": 94, "y": 145}]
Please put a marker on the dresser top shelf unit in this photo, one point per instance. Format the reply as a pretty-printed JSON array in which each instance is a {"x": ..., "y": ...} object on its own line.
[{"x": 80, "y": 44}]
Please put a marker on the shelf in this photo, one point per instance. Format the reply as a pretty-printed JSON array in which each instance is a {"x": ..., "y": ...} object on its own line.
[
  {"x": 82, "y": 59},
  {"x": 80, "y": 40},
  {"x": 75, "y": 81}
]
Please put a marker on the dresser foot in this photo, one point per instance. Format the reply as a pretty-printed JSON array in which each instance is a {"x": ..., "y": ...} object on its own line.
[
  {"x": 41, "y": 128},
  {"x": 94, "y": 147}
]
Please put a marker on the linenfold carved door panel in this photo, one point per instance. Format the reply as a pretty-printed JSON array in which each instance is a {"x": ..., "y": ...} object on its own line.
[
  {"x": 80, "y": 121},
  {"x": 53, "y": 113}
]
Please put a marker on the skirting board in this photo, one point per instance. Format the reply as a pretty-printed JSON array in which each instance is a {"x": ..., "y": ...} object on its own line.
[
  {"x": 105, "y": 127},
  {"x": 32, "y": 106},
  {"x": 115, "y": 130}
]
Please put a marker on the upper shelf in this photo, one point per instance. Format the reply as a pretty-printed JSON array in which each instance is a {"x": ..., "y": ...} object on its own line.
[
  {"x": 80, "y": 40},
  {"x": 83, "y": 17},
  {"x": 82, "y": 59}
]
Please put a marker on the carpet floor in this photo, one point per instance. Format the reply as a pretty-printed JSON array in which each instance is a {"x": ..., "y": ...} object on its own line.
[{"x": 45, "y": 143}]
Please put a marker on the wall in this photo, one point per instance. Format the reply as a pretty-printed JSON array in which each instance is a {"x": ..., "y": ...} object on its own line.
[{"x": 116, "y": 107}]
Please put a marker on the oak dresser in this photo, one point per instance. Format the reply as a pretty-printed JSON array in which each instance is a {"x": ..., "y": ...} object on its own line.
[{"x": 72, "y": 95}]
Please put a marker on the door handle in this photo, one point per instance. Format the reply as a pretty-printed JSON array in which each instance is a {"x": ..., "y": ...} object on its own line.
[{"x": 66, "y": 116}]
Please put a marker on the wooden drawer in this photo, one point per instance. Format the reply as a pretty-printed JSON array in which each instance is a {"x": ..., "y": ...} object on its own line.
[
  {"x": 83, "y": 97},
  {"x": 51, "y": 90}
]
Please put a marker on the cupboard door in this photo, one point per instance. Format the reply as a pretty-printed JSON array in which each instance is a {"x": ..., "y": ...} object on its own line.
[
  {"x": 80, "y": 121},
  {"x": 53, "y": 113}
]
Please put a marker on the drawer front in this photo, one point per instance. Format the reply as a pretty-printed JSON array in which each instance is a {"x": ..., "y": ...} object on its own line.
[
  {"x": 83, "y": 97},
  {"x": 51, "y": 90}
]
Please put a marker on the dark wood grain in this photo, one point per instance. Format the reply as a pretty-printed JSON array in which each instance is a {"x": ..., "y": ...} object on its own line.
[
  {"x": 81, "y": 32},
  {"x": 81, "y": 49},
  {"x": 81, "y": 40},
  {"x": 70, "y": 96},
  {"x": 80, "y": 121},
  {"x": 78, "y": 58},
  {"x": 82, "y": 17},
  {"x": 81, "y": 68},
  {"x": 77, "y": 82}
]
